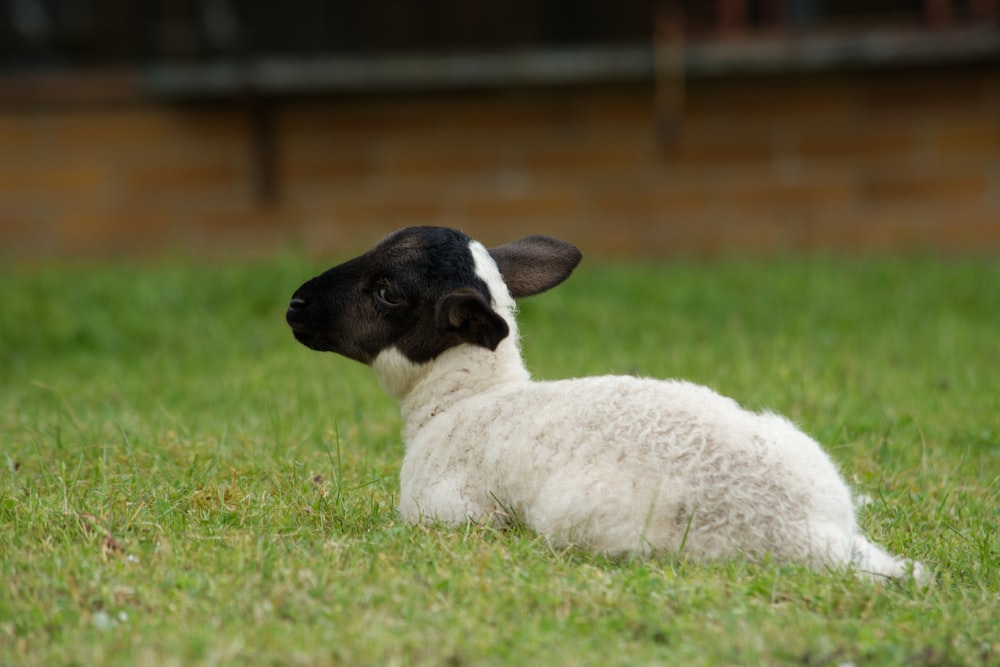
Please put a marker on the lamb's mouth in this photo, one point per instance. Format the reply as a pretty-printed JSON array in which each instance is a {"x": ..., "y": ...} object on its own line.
[
  {"x": 321, "y": 342},
  {"x": 309, "y": 339}
]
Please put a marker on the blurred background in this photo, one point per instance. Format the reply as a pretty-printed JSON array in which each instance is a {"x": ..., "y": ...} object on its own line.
[{"x": 631, "y": 127}]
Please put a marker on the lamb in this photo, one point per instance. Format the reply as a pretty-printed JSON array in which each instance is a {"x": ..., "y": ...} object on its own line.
[{"x": 618, "y": 465}]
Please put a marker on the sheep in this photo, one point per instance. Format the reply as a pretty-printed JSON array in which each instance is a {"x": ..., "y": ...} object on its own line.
[{"x": 619, "y": 465}]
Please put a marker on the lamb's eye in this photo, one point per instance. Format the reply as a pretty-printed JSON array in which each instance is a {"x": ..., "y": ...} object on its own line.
[{"x": 389, "y": 297}]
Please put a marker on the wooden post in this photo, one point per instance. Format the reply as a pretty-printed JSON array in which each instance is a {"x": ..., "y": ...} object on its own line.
[{"x": 668, "y": 71}]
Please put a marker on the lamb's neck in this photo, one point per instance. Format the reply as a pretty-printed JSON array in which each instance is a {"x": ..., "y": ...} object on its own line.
[{"x": 459, "y": 373}]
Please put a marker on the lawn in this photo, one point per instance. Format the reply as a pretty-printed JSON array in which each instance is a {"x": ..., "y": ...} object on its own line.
[{"x": 181, "y": 483}]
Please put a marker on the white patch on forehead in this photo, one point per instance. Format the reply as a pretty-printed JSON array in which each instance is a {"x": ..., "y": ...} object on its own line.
[
  {"x": 487, "y": 271},
  {"x": 396, "y": 373}
]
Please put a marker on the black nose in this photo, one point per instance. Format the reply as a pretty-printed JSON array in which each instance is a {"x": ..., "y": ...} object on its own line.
[{"x": 295, "y": 308}]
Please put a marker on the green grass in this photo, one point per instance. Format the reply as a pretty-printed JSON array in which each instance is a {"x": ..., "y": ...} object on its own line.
[{"x": 181, "y": 483}]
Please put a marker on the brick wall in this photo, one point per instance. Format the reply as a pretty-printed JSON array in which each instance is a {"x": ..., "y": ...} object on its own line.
[{"x": 848, "y": 161}]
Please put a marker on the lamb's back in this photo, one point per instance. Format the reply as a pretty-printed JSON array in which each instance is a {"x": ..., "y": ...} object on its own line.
[{"x": 618, "y": 462}]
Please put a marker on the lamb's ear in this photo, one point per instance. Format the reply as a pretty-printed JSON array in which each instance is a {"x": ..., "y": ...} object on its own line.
[
  {"x": 466, "y": 314},
  {"x": 535, "y": 264}
]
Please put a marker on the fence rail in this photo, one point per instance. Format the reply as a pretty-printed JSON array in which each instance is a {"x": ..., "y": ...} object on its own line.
[{"x": 52, "y": 34}]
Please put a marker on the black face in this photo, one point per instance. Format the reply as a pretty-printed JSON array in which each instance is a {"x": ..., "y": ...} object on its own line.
[{"x": 394, "y": 295}]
